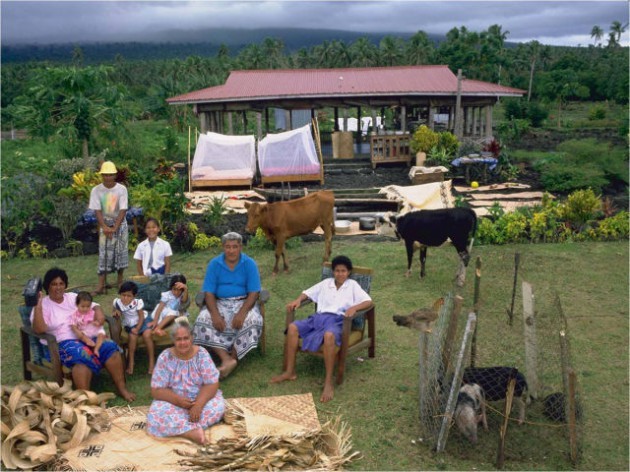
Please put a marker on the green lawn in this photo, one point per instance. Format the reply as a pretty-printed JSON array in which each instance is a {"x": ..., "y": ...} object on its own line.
[{"x": 379, "y": 397}]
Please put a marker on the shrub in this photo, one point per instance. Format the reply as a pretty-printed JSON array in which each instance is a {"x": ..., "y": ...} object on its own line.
[
  {"x": 581, "y": 207},
  {"x": 259, "y": 241},
  {"x": 201, "y": 242},
  {"x": 21, "y": 199},
  {"x": 214, "y": 212},
  {"x": 65, "y": 215},
  {"x": 512, "y": 228},
  {"x": 486, "y": 232},
  {"x": 597, "y": 112},
  {"x": 614, "y": 228},
  {"x": 449, "y": 143},
  {"x": 438, "y": 156},
  {"x": 424, "y": 139}
]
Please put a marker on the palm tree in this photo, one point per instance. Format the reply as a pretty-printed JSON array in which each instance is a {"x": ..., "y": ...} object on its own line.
[
  {"x": 618, "y": 30},
  {"x": 363, "y": 53},
  {"x": 419, "y": 49},
  {"x": 597, "y": 33},
  {"x": 391, "y": 50}
]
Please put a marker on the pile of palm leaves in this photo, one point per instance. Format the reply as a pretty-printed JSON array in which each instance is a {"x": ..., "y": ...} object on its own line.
[{"x": 41, "y": 419}]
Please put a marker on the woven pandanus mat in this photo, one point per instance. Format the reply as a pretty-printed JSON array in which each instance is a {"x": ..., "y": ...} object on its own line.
[
  {"x": 258, "y": 433},
  {"x": 273, "y": 416}
]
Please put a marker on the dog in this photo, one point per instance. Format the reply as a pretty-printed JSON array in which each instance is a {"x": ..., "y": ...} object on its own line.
[
  {"x": 470, "y": 411},
  {"x": 494, "y": 382}
]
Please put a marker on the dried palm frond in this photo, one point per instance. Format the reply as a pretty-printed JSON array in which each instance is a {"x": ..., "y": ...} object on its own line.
[{"x": 40, "y": 419}]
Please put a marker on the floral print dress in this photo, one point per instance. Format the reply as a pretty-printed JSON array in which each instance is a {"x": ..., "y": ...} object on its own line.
[{"x": 185, "y": 378}]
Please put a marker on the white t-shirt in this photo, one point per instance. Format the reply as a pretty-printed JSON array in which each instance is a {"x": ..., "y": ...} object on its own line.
[
  {"x": 161, "y": 250},
  {"x": 129, "y": 312},
  {"x": 109, "y": 200},
  {"x": 331, "y": 300}
]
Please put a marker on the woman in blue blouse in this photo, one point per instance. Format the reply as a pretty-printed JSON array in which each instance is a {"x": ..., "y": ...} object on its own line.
[{"x": 230, "y": 323}]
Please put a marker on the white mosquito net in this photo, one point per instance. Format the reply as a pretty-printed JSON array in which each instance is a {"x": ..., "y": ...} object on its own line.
[
  {"x": 289, "y": 153},
  {"x": 223, "y": 156}
]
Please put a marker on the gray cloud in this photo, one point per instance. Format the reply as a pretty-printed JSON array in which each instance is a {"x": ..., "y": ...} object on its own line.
[{"x": 559, "y": 22}]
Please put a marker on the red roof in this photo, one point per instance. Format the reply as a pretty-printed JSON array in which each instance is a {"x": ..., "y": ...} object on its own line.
[{"x": 244, "y": 85}]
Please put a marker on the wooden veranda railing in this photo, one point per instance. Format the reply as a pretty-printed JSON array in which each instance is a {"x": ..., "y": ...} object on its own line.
[{"x": 389, "y": 148}]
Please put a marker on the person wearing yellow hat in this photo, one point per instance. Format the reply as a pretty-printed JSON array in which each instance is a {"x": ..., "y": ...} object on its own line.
[{"x": 110, "y": 202}]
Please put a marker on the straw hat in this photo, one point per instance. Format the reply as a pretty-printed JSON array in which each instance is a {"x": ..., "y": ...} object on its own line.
[{"x": 108, "y": 167}]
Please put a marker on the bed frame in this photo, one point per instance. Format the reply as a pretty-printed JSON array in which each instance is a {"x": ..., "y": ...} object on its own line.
[
  {"x": 195, "y": 184},
  {"x": 293, "y": 178}
]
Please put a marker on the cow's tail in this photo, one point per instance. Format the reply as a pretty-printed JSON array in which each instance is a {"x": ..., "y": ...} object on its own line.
[{"x": 473, "y": 232}]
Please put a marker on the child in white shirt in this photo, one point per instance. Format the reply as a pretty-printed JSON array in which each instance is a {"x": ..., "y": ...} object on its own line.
[
  {"x": 173, "y": 304},
  {"x": 153, "y": 255},
  {"x": 83, "y": 325},
  {"x": 131, "y": 310}
]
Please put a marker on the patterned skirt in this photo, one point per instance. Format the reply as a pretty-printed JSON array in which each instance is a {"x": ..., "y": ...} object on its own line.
[
  {"x": 243, "y": 340},
  {"x": 73, "y": 351},
  {"x": 113, "y": 253}
]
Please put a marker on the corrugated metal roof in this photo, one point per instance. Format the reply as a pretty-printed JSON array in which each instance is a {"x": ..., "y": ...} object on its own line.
[{"x": 313, "y": 83}]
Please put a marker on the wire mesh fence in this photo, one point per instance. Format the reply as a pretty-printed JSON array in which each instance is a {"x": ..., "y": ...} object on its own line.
[{"x": 531, "y": 348}]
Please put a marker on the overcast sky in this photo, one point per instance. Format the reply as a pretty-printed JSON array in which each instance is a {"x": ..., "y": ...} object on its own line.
[{"x": 550, "y": 22}]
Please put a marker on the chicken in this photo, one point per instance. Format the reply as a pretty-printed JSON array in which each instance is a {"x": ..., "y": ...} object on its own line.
[{"x": 422, "y": 318}]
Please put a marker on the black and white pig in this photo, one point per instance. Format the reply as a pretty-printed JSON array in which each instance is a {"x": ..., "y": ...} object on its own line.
[
  {"x": 470, "y": 411},
  {"x": 494, "y": 382}
]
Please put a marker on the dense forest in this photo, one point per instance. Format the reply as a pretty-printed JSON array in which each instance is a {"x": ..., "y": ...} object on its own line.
[{"x": 124, "y": 89}]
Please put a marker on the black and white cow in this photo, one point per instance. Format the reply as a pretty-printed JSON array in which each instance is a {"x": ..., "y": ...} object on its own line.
[{"x": 433, "y": 228}]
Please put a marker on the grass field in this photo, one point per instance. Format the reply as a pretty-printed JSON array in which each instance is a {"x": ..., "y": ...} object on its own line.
[{"x": 379, "y": 398}]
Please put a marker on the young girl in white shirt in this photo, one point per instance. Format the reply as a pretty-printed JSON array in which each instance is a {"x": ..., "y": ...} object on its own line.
[
  {"x": 173, "y": 304},
  {"x": 135, "y": 322},
  {"x": 153, "y": 255}
]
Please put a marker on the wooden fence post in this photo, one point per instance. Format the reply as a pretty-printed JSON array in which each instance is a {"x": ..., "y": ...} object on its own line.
[
  {"x": 454, "y": 387},
  {"x": 531, "y": 345},
  {"x": 572, "y": 418},
  {"x": 504, "y": 426},
  {"x": 476, "y": 303},
  {"x": 517, "y": 260},
  {"x": 451, "y": 332}
]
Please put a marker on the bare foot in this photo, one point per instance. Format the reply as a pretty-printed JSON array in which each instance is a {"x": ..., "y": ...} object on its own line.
[
  {"x": 227, "y": 367},
  {"x": 129, "y": 370},
  {"x": 150, "y": 371},
  {"x": 282, "y": 377},
  {"x": 195, "y": 435},
  {"x": 327, "y": 393},
  {"x": 127, "y": 395}
]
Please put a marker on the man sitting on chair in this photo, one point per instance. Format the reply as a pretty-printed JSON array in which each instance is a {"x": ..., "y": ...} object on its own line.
[{"x": 230, "y": 323}]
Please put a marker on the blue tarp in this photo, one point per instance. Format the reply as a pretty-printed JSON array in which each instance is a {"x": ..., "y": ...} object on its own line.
[{"x": 490, "y": 161}]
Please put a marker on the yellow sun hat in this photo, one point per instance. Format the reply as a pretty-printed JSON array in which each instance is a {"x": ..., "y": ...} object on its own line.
[{"x": 108, "y": 167}]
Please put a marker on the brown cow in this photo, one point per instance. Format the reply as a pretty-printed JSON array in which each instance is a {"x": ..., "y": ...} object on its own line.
[{"x": 283, "y": 220}]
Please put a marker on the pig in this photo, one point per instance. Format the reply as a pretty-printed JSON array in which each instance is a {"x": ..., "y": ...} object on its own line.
[{"x": 470, "y": 411}]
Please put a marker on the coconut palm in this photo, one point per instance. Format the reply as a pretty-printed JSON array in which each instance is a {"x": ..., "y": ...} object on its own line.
[
  {"x": 597, "y": 34},
  {"x": 618, "y": 30},
  {"x": 419, "y": 49}
]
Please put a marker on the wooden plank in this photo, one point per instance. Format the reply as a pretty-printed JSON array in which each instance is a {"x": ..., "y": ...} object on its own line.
[
  {"x": 291, "y": 178},
  {"x": 531, "y": 345},
  {"x": 506, "y": 196},
  {"x": 222, "y": 183}
]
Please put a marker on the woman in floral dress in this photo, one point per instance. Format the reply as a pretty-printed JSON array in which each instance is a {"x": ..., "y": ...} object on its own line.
[{"x": 185, "y": 389}]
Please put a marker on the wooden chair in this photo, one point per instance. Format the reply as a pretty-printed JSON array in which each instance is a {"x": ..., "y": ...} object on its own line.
[
  {"x": 150, "y": 289},
  {"x": 200, "y": 301},
  {"x": 354, "y": 337},
  {"x": 35, "y": 354}
]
